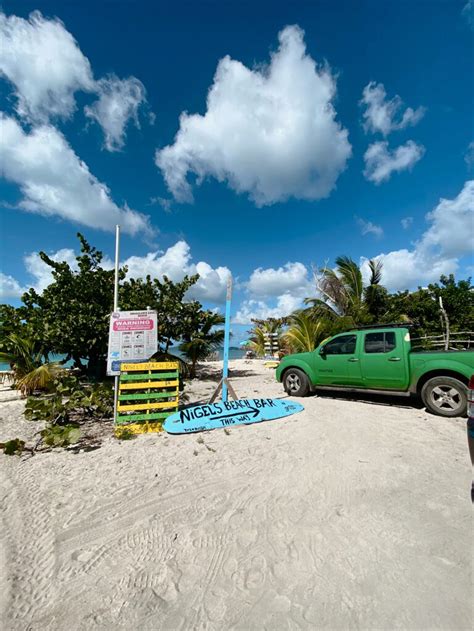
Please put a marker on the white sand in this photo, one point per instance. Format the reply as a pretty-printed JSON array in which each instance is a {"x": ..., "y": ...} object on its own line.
[{"x": 350, "y": 515}]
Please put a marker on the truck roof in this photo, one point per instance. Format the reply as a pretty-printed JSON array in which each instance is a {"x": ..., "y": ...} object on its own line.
[{"x": 394, "y": 325}]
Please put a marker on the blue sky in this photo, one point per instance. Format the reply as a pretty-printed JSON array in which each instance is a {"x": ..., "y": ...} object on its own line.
[{"x": 331, "y": 128}]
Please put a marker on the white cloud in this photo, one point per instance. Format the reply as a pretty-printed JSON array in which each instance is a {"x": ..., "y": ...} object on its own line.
[
  {"x": 452, "y": 224},
  {"x": 42, "y": 272},
  {"x": 46, "y": 67},
  {"x": 275, "y": 293},
  {"x": 367, "y": 227},
  {"x": 469, "y": 155},
  {"x": 292, "y": 277},
  {"x": 406, "y": 222},
  {"x": 10, "y": 287},
  {"x": 449, "y": 237},
  {"x": 118, "y": 103},
  {"x": 54, "y": 181},
  {"x": 380, "y": 162},
  {"x": 261, "y": 310},
  {"x": 176, "y": 262},
  {"x": 468, "y": 13},
  {"x": 44, "y": 63},
  {"x": 380, "y": 115},
  {"x": 270, "y": 132}
]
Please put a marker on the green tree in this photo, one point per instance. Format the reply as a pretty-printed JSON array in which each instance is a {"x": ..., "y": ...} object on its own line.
[
  {"x": 175, "y": 315},
  {"x": 71, "y": 316},
  {"x": 202, "y": 338},
  {"x": 422, "y": 309}
]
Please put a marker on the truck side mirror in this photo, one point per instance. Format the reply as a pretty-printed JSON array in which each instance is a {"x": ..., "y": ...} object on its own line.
[{"x": 322, "y": 352}]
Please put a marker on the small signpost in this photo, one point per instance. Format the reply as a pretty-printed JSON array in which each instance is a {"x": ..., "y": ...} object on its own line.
[
  {"x": 133, "y": 339},
  {"x": 224, "y": 383}
]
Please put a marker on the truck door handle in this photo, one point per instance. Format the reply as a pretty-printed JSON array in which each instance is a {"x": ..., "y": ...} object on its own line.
[
  {"x": 394, "y": 359},
  {"x": 353, "y": 359}
]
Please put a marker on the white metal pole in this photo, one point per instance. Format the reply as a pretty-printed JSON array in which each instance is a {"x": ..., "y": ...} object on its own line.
[
  {"x": 116, "y": 308},
  {"x": 225, "y": 371}
]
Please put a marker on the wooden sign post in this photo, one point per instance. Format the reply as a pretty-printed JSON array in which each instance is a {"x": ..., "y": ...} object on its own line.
[{"x": 224, "y": 383}]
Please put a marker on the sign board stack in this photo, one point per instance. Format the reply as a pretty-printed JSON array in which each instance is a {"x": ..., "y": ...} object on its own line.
[
  {"x": 148, "y": 394},
  {"x": 271, "y": 344}
]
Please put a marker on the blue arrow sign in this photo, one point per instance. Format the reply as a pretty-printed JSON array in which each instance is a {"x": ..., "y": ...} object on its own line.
[{"x": 228, "y": 413}]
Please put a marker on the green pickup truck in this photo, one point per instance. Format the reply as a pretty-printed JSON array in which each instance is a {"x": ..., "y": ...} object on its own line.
[{"x": 380, "y": 360}]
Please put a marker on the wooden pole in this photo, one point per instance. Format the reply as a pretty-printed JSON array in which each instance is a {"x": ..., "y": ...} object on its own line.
[
  {"x": 225, "y": 370},
  {"x": 116, "y": 308}
]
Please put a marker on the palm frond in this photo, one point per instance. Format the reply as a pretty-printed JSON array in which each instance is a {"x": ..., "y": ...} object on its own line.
[
  {"x": 375, "y": 266},
  {"x": 351, "y": 277}
]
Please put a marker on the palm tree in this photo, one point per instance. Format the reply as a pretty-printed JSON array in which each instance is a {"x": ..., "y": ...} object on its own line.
[
  {"x": 30, "y": 372},
  {"x": 375, "y": 295},
  {"x": 343, "y": 293},
  {"x": 204, "y": 340},
  {"x": 305, "y": 332}
]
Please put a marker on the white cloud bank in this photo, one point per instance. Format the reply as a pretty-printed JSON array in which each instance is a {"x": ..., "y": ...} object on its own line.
[
  {"x": 175, "y": 263},
  {"x": 45, "y": 65},
  {"x": 261, "y": 310},
  {"x": 275, "y": 293},
  {"x": 292, "y": 277},
  {"x": 54, "y": 181},
  {"x": 380, "y": 162},
  {"x": 269, "y": 132},
  {"x": 449, "y": 237},
  {"x": 9, "y": 287},
  {"x": 384, "y": 116}
]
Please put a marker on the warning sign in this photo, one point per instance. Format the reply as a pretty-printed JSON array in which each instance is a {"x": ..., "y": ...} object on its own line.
[{"x": 133, "y": 337}]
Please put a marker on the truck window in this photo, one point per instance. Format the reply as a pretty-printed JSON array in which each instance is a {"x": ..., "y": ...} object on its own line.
[
  {"x": 382, "y": 342},
  {"x": 342, "y": 345}
]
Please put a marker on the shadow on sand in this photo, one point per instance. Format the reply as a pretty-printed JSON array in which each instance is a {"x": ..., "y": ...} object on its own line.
[{"x": 377, "y": 399}]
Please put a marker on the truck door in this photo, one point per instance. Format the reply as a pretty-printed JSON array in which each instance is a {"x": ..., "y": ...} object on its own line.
[
  {"x": 383, "y": 361},
  {"x": 337, "y": 363}
]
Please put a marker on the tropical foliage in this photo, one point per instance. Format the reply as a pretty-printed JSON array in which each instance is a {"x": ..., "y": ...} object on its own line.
[
  {"x": 305, "y": 332},
  {"x": 345, "y": 302},
  {"x": 27, "y": 361},
  {"x": 203, "y": 339},
  {"x": 343, "y": 294}
]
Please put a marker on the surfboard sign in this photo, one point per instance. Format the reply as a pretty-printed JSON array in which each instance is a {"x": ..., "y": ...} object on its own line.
[{"x": 228, "y": 414}]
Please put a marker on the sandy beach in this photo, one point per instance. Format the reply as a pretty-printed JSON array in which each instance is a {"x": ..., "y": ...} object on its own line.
[{"x": 350, "y": 515}]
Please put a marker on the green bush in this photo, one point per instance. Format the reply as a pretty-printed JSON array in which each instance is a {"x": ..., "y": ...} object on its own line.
[
  {"x": 71, "y": 399},
  {"x": 61, "y": 435},
  {"x": 13, "y": 447}
]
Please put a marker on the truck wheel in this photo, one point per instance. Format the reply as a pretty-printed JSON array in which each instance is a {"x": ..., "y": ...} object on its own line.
[
  {"x": 296, "y": 383},
  {"x": 445, "y": 396}
]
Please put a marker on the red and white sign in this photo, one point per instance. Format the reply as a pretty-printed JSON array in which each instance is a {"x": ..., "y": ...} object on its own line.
[{"x": 133, "y": 336}]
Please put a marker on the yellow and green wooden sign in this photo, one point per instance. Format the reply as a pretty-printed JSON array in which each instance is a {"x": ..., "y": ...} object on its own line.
[{"x": 148, "y": 394}]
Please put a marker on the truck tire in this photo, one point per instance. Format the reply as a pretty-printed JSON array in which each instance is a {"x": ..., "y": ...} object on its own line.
[
  {"x": 445, "y": 396},
  {"x": 296, "y": 383}
]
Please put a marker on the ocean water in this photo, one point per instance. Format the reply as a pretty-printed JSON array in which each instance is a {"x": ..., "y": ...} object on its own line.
[{"x": 234, "y": 353}]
